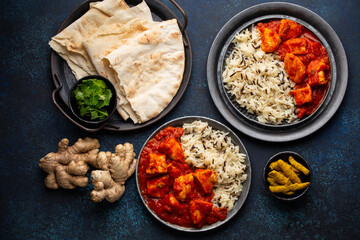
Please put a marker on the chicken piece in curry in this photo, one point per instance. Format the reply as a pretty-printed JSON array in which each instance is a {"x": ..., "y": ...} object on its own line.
[
  {"x": 316, "y": 72},
  {"x": 296, "y": 46},
  {"x": 184, "y": 187},
  {"x": 289, "y": 29},
  {"x": 199, "y": 209},
  {"x": 172, "y": 148},
  {"x": 294, "y": 68},
  {"x": 206, "y": 179},
  {"x": 270, "y": 40},
  {"x": 173, "y": 205},
  {"x": 158, "y": 187},
  {"x": 173, "y": 170},
  {"x": 157, "y": 164},
  {"x": 302, "y": 95}
]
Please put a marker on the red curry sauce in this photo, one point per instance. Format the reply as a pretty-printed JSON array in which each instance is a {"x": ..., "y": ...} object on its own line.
[
  {"x": 165, "y": 200},
  {"x": 308, "y": 63}
]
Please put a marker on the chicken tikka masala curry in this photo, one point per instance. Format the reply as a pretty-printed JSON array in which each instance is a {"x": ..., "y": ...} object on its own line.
[
  {"x": 173, "y": 190},
  {"x": 305, "y": 60}
]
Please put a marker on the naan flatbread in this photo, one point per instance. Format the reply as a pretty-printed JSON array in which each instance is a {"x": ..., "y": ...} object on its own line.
[
  {"x": 114, "y": 31},
  {"x": 68, "y": 43},
  {"x": 111, "y": 35},
  {"x": 144, "y": 59},
  {"x": 150, "y": 68}
]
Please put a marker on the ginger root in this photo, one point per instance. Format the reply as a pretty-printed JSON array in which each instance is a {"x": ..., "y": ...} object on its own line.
[
  {"x": 111, "y": 184},
  {"x": 67, "y": 168}
]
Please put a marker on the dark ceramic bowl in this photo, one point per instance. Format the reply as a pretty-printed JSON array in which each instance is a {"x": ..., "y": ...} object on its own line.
[
  {"x": 247, "y": 123},
  {"x": 178, "y": 122},
  {"x": 285, "y": 156},
  {"x": 252, "y": 117},
  {"x": 74, "y": 106}
]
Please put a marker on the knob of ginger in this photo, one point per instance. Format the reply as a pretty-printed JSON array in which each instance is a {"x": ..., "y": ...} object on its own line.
[
  {"x": 67, "y": 167},
  {"x": 110, "y": 184}
]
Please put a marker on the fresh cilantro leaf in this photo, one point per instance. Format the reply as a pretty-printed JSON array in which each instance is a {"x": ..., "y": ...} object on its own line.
[
  {"x": 92, "y": 97},
  {"x": 94, "y": 115}
]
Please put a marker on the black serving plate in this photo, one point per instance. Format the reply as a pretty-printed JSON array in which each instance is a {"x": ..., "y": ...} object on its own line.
[
  {"x": 178, "y": 122},
  {"x": 64, "y": 79},
  {"x": 247, "y": 123}
]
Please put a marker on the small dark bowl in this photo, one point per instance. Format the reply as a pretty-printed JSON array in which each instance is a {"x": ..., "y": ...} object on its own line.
[
  {"x": 284, "y": 156},
  {"x": 110, "y": 108}
]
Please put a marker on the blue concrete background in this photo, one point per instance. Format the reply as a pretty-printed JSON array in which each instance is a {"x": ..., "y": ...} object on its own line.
[{"x": 31, "y": 127}]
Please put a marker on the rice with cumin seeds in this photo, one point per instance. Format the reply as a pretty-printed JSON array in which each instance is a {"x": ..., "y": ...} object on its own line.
[
  {"x": 212, "y": 149},
  {"x": 258, "y": 80}
]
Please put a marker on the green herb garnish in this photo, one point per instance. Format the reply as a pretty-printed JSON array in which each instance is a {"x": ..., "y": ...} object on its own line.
[{"x": 92, "y": 97}]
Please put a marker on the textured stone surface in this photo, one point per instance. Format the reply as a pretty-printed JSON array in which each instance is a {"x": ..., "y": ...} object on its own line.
[{"x": 31, "y": 127}]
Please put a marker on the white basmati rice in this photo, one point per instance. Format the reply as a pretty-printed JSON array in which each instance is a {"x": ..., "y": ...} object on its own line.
[
  {"x": 258, "y": 80},
  {"x": 212, "y": 149}
]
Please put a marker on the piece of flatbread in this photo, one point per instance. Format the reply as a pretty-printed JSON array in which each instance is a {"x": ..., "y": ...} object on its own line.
[
  {"x": 111, "y": 35},
  {"x": 68, "y": 43},
  {"x": 150, "y": 68}
]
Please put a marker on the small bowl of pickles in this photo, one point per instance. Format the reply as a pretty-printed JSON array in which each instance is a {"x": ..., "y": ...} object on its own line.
[
  {"x": 92, "y": 99},
  {"x": 287, "y": 176}
]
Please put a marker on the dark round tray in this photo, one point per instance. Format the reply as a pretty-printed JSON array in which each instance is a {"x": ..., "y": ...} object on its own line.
[
  {"x": 64, "y": 79},
  {"x": 246, "y": 122}
]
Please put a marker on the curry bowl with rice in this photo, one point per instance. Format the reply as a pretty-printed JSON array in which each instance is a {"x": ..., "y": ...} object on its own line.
[
  {"x": 193, "y": 174},
  {"x": 251, "y": 87},
  {"x": 276, "y": 72}
]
